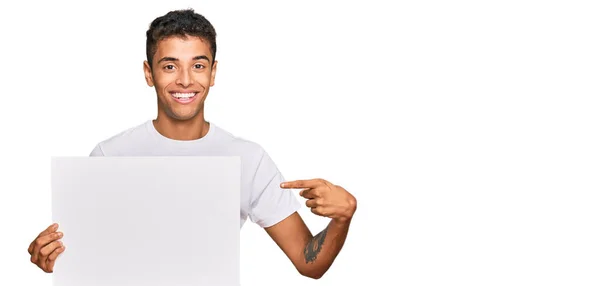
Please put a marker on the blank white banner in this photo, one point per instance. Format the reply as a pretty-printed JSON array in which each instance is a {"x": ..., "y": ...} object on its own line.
[{"x": 147, "y": 220}]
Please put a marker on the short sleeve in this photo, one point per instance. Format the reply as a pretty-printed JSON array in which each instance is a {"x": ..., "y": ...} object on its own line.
[
  {"x": 97, "y": 151},
  {"x": 269, "y": 203}
]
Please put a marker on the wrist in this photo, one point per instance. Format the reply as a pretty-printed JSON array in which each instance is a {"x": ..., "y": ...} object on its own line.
[
  {"x": 341, "y": 221},
  {"x": 344, "y": 219}
]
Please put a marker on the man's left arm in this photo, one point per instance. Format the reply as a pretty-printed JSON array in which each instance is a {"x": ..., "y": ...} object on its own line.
[{"x": 313, "y": 255}]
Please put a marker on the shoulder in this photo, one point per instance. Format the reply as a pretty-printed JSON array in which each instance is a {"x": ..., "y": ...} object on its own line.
[
  {"x": 121, "y": 140},
  {"x": 254, "y": 156},
  {"x": 240, "y": 144}
]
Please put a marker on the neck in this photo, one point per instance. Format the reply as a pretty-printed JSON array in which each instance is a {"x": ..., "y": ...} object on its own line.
[{"x": 192, "y": 129}]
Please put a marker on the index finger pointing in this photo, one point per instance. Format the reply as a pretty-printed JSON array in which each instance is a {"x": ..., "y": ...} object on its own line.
[{"x": 300, "y": 184}]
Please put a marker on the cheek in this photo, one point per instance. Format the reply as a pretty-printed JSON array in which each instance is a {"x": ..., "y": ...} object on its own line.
[
  {"x": 163, "y": 83},
  {"x": 203, "y": 79}
]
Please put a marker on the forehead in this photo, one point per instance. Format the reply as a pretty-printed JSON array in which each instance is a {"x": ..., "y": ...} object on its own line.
[{"x": 183, "y": 48}]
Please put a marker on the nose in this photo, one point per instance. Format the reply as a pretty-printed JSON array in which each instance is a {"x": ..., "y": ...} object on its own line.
[{"x": 184, "y": 78}]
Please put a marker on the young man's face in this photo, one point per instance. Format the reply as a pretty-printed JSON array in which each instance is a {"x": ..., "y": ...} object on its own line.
[{"x": 182, "y": 76}]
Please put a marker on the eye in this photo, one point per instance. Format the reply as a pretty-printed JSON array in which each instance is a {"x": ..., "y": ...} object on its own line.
[
  {"x": 199, "y": 66},
  {"x": 169, "y": 67}
]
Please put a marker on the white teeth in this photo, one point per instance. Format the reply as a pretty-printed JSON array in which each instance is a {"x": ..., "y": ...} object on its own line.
[{"x": 183, "y": 95}]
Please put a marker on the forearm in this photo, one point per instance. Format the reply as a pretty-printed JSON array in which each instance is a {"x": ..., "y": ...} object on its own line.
[{"x": 322, "y": 249}]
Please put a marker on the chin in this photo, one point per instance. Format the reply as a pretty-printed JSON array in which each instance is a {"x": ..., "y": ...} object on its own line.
[{"x": 183, "y": 116}]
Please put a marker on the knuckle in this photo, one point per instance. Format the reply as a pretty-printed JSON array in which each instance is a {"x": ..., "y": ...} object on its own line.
[
  {"x": 352, "y": 202},
  {"x": 317, "y": 192}
]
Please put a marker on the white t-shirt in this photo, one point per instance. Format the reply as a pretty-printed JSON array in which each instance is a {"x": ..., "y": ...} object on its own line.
[{"x": 262, "y": 199}]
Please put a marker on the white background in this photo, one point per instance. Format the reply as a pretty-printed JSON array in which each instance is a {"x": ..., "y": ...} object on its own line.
[{"x": 467, "y": 130}]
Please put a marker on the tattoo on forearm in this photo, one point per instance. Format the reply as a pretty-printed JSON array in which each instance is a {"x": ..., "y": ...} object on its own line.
[{"x": 314, "y": 246}]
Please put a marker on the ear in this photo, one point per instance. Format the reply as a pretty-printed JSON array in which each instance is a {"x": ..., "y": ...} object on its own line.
[
  {"x": 148, "y": 74},
  {"x": 213, "y": 73}
]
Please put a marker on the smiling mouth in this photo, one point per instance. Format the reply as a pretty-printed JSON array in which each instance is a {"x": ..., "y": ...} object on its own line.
[{"x": 184, "y": 97}]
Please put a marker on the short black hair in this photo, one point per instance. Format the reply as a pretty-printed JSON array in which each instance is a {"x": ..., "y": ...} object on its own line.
[{"x": 179, "y": 23}]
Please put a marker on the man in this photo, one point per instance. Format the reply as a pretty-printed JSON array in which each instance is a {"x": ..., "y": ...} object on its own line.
[{"x": 181, "y": 66}]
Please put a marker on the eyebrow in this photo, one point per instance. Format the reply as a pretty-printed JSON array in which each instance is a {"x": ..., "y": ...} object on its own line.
[{"x": 172, "y": 59}]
